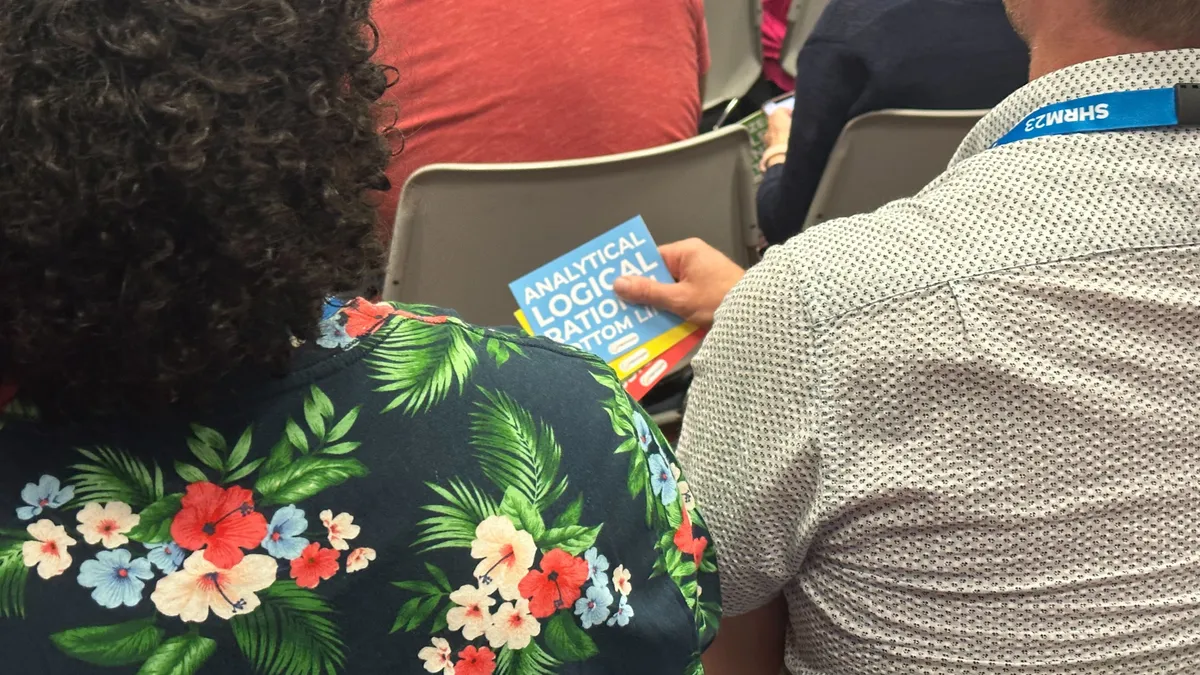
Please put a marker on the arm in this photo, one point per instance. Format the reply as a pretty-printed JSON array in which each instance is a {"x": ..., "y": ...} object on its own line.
[
  {"x": 751, "y": 644},
  {"x": 749, "y": 447},
  {"x": 831, "y": 80}
]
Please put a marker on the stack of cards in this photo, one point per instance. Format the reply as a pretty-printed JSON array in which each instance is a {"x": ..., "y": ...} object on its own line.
[{"x": 571, "y": 301}]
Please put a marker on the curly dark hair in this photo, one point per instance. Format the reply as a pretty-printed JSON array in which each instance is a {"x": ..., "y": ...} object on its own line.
[{"x": 181, "y": 183}]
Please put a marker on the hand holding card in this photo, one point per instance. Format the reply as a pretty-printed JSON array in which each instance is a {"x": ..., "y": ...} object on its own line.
[{"x": 571, "y": 300}]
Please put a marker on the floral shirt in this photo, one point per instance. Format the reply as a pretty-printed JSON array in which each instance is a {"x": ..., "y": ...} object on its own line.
[{"x": 418, "y": 496}]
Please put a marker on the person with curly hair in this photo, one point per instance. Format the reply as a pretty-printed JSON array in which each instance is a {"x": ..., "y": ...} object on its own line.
[{"x": 208, "y": 467}]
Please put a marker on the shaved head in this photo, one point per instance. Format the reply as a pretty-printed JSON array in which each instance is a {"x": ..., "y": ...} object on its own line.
[{"x": 1171, "y": 23}]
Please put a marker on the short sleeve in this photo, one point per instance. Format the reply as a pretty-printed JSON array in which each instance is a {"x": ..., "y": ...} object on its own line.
[
  {"x": 655, "y": 518},
  {"x": 749, "y": 442},
  {"x": 585, "y": 514}
]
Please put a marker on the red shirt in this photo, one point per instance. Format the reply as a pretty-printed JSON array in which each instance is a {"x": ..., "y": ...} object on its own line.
[
  {"x": 486, "y": 81},
  {"x": 775, "y": 27}
]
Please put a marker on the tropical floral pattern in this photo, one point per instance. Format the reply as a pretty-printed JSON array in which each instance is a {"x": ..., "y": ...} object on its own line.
[
  {"x": 231, "y": 548},
  {"x": 538, "y": 588}
]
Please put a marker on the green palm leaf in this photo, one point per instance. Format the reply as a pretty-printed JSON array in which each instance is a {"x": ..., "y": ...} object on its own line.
[
  {"x": 13, "y": 574},
  {"x": 115, "y": 476},
  {"x": 453, "y": 523},
  {"x": 528, "y": 661},
  {"x": 290, "y": 633},
  {"x": 423, "y": 362},
  {"x": 514, "y": 452},
  {"x": 183, "y": 655},
  {"x": 620, "y": 410},
  {"x": 18, "y": 411}
]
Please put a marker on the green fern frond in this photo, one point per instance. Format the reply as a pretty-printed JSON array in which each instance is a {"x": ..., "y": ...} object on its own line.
[
  {"x": 290, "y": 633},
  {"x": 423, "y": 362},
  {"x": 454, "y": 523},
  {"x": 514, "y": 452},
  {"x": 13, "y": 574},
  {"x": 115, "y": 476},
  {"x": 531, "y": 660}
]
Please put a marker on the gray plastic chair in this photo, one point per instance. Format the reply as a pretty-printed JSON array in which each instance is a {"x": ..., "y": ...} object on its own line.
[
  {"x": 464, "y": 231},
  {"x": 888, "y": 155},
  {"x": 735, "y": 45},
  {"x": 802, "y": 18}
]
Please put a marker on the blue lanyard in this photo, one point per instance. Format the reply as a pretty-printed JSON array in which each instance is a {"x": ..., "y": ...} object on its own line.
[{"x": 1115, "y": 111}]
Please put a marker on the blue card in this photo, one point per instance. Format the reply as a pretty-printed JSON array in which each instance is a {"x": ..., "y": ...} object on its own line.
[{"x": 571, "y": 301}]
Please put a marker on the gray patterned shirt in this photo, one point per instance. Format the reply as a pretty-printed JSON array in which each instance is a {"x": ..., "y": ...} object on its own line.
[{"x": 962, "y": 434}]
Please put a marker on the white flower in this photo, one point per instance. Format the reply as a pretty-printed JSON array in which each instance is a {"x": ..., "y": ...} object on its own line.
[
  {"x": 200, "y": 587},
  {"x": 472, "y": 615},
  {"x": 359, "y": 558},
  {"x": 49, "y": 551},
  {"x": 685, "y": 490},
  {"x": 437, "y": 657},
  {"x": 107, "y": 524},
  {"x": 505, "y": 554},
  {"x": 340, "y": 528},
  {"x": 513, "y": 626},
  {"x": 621, "y": 577}
]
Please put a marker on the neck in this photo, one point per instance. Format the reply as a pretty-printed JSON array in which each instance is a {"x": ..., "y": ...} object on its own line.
[{"x": 1058, "y": 49}]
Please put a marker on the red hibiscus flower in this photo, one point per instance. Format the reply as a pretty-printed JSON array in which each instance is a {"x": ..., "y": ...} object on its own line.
[
  {"x": 685, "y": 539},
  {"x": 313, "y": 565},
  {"x": 364, "y": 318},
  {"x": 474, "y": 661},
  {"x": 557, "y": 584},
  {"x": 221, "y": 521},
  {"x": 7, "y": 393}
]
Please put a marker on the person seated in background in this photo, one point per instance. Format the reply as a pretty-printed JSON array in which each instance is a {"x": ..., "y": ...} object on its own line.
[
  {"x": 206, "y": 469},
  {"x": 774, "y": 30},
  {"x": 539, "y": 80},
  {"x": 869, "y": 55},
  {"x": 961, "y": 434}
]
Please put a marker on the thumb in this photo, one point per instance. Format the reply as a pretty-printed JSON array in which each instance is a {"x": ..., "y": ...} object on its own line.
[{"x": 643, "y": 291}]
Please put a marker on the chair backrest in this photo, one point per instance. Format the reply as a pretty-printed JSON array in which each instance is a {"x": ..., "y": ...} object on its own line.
[
  {"x": 802, "y": 18},
  {"x": 888, "y": 155},
  {"x": 735, "y": 45},
  {"x": 463, "y": 231}
]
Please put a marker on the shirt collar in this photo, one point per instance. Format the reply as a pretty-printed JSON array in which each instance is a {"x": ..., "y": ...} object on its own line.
[{"x": 1127, "y": 72}]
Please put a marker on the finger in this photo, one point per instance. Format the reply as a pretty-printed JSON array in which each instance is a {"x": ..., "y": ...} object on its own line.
[
  {"x": 677, "y": 253},
  {"x": 643, "y": 291}
]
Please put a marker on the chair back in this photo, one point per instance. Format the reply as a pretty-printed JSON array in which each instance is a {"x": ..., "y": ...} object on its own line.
[
  {"x": 735, "y": 47},
  {"x": 802, "y": 19},
  {"x": 463, "y": 231},
  {"x": 888, "y": 155}
]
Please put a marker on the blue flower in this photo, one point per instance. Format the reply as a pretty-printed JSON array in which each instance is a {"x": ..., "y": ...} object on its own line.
[
  {"x": 47, "y": 494},
  {"x": 597, "y": 566},
  {"x": 662, "y": 480},
  {"x": 167, "y": 557},
  {"x": 332, "y": 306},
  {"x": 117, "y": 578},
  {"x": 333, "y": 335},
  {"x": 593, "y": 607},
  {"x": 643, "y": 431},
  {"x": 623, "y": 614},
  {"x": 283, "y": 538}
]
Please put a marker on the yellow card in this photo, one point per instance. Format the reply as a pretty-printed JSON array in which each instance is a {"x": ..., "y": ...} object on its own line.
[{"x": 630, "y": 363}]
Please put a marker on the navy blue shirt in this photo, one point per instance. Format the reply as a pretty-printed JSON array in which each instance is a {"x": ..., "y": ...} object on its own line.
[
  {"x": 418, "y": 495},
  {"x": 868, "y": 55}
]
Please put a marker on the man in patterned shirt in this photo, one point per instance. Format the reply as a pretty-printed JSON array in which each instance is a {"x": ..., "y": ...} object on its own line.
[{"x": 962, "y": 434}]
